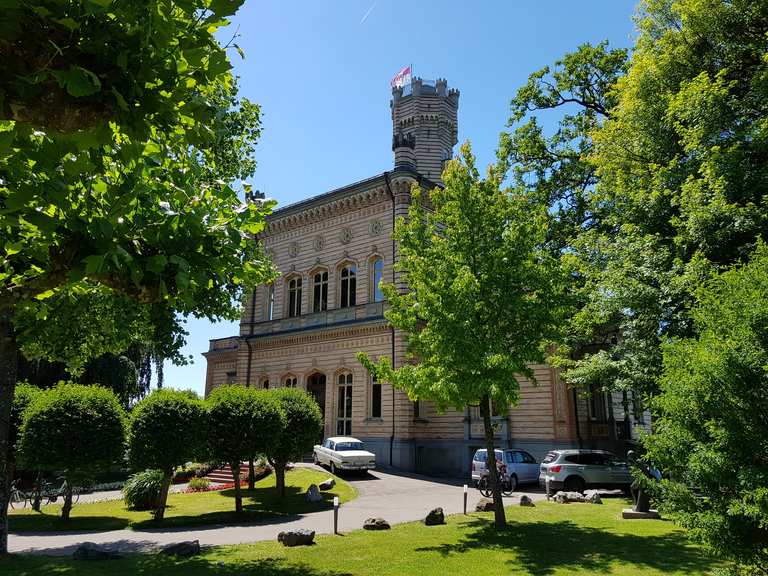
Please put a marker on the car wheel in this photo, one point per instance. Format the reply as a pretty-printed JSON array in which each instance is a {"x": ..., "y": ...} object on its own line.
[
  {"x": 574, "y": 484},
  {"x": 333, "y": 468}
]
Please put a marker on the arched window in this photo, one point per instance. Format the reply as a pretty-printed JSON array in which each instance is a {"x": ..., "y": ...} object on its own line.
[
  {"x": 348, "y": 286},
  {"x": 271, "y": 302},
  {"x": 320, "y": 291},
  {"x": 294, "y": 297},
  {"x": 290, "y": 381},
  {"x": 375, "y": 398},
  {"x": 377, "y": 275},
  {"x": 344, "y": 405}
]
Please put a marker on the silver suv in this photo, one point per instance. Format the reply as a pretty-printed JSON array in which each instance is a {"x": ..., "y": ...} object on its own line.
[
  {"x": 521, "y": 466},
  {"x": 576, "y": 470}
]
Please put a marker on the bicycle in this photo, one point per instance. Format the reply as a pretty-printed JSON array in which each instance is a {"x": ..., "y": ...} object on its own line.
[
  {"x": 508, "y": 483},
  {"x": 52, "y": 494},
  {"x": 18, "y": 496}
]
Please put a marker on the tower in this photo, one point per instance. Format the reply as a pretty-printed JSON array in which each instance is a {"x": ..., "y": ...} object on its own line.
[{"x": 424, "y": 126}]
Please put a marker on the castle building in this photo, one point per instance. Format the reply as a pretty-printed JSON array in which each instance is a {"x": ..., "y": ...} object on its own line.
[{"x": 305, "y": 329}]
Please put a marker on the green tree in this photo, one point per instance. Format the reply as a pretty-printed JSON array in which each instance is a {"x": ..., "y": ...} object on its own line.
[
  {"x": 24, "y": 396},
  {"x": 483, "y": 297},
  {"x": 302, "y": 424},
  {"x": 711, "y": 435},
  {"x": 78, "y": 430},
  {"x": 117, "y": 155},
  {"x": 166, "y": 429},
  {"x": 241, "y": 422}
]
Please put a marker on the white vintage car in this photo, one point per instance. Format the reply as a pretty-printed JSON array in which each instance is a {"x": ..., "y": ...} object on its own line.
[{"x": 344, "y": 453}]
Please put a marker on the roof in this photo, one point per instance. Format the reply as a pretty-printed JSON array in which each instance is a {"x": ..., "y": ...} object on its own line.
[{"x": 343, "y": 439}]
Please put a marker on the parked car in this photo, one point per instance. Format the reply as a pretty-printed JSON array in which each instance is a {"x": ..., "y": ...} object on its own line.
[
  {"x": 522, "y": 468},
  {"x": 575, "y": 470},
  {"x": 344, "y": 453}
]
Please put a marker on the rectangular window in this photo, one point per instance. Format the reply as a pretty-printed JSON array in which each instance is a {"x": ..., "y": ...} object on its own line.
[
  {"x": 597, "y": 408},
  {"x": 344, "y": 408},
  {"x": 348, "y": 287},
  {"x": 375, "y": 399},
  {"x": 294, "y": 297},
  {"x": 378, "y": 275},
  {"x": 231, "y": 377},
  {"x": 271, "y": 302},
  {"x": 416, "y": 409},
  {"x": 320, "y": 292}
]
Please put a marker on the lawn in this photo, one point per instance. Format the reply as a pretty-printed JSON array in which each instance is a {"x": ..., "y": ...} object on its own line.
[
  {"x": 550, "y": 539},
  {"x": 198, "y": 509}
]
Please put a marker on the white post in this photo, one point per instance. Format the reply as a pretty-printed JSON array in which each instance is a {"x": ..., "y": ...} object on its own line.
[
  {"x": 335, "y": 514},
  {"x": 465, "y": 499}
]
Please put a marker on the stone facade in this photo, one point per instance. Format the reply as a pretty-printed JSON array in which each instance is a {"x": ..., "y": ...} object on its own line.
[{"x": 305, "y": 329}]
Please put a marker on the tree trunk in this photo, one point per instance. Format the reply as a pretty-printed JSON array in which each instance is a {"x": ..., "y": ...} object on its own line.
[
  {"x": 9, "y": 356},
  {"x": 67, "y": 508},
  {"x": 280, "y": 478},
  {"x": 160, "y": 512},
  {"x": 235, "y": 466},
  {"x": 493, "y": 474},
  {"x": 251, "y": 475}
]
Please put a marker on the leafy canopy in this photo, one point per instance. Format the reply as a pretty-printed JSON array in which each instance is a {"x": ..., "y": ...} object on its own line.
[
  {"x": 80, "y": 429},
  {"x": 711, "y": 435},
  {"x": 166, "y": 429},
  {"x": 483, "y": 293}
]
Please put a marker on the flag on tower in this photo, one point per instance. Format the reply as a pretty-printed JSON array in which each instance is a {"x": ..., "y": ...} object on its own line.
[{"x": 401, "y": 78}]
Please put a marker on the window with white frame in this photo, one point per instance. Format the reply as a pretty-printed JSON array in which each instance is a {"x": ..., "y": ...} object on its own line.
[
  {"x": 377, "y": 275},
  {"x": 344, "y": 405},
  {"x": 320, "y": 291},
  {"x": 294, "y": 297}
]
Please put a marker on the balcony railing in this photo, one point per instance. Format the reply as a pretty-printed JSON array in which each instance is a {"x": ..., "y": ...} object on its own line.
[{"x": 372, "y": 311}]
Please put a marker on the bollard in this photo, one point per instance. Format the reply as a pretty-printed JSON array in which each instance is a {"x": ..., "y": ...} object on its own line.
[
  {"x": 465, "y": 499},
  {"x": 335, "y": 514},
  {"x": 546, "y": 483}
]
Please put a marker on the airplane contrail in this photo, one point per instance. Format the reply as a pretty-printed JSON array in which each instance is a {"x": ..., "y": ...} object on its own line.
[{"x": 368, "y": 13}]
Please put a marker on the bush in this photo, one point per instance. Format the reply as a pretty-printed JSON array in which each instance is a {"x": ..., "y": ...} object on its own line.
[
  {"x": 166, "y": 430},
  {"x": 142, "y": 490},
  {"x": 80, "y": 429},
  {"x": 198, "y": 484},
  {"x": 303, "y": 424}
]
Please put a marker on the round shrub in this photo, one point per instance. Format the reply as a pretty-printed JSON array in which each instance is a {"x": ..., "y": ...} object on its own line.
[{"x": 142, "y": 490}]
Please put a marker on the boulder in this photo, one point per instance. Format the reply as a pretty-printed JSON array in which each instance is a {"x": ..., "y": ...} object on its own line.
[
  {"x": 567, "y": 497},
  {"x": 484, "y": 505},
  {"x": 376, "y": 524},
  {"x": 313, "y": 494},
  {"x": 91, "y": 551},
  {"x": 327, "y": 484},
  {"x": 526, "y": 501},
  {"x": 183, "y": 549},
  {"x": 435, "y": 517},
  {"x": 297, "y": 537},
  {"x": 593, "y": 496}
]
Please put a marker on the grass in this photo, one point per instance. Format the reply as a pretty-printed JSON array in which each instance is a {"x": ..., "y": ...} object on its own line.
[
  {"x": 550, "y": 539},
  {"x": 197, "y": 509}
]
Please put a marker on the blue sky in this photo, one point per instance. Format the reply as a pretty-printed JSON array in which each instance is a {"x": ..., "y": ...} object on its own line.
[{"x": 321, "y": 70}]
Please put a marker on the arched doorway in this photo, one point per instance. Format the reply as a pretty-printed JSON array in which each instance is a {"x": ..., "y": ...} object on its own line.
[{"x": 316, "y": 387}]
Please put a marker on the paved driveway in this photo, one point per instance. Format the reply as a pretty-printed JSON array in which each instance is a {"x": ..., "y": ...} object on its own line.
[{"x": 392, "y": 495}]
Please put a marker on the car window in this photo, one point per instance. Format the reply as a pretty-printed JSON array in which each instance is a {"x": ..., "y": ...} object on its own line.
[
  {"x": 511, "y": 457},
  {"x": 349, "y": 446},
  {"x": 550, "y": 457},
  {"x": 327, "y": 444},
  {"x": 480, "y": 456},
  {"x": 595, "y": 459},
  {"x": 574, "y": 458},
  {"x": 526, "y": 458}
]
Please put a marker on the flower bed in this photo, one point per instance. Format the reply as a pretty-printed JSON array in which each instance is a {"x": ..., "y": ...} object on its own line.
[{"x": 259, "y": 474}]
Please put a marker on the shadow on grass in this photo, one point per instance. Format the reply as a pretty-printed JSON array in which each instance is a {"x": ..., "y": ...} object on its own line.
[
  {"x": 146, "y": 565},
  {"x": 542, "y": 547},
  {"x": 259, "y": 505}
]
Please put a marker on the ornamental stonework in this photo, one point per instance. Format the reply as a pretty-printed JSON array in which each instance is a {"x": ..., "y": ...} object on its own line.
[
  {"x": 318, "y": 243},
  {"x": 293, "y": 249},
  {"x": 375, "y": 227},
  {"x": 346, "y": 235}
]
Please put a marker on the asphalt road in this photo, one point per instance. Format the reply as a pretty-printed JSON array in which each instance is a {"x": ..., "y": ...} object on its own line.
[{"x": 394, "y": 496}]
